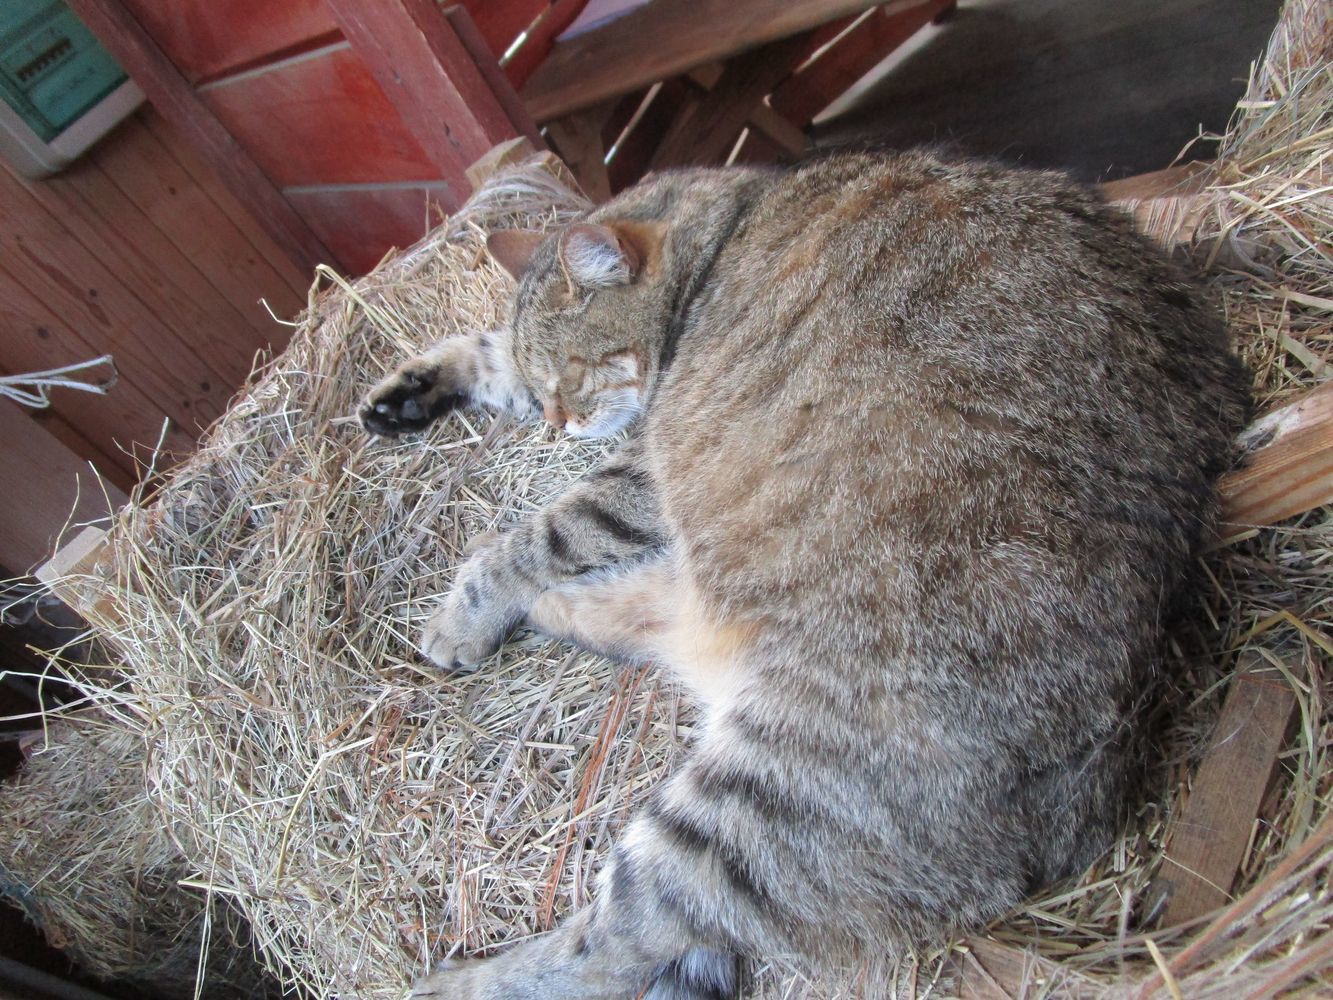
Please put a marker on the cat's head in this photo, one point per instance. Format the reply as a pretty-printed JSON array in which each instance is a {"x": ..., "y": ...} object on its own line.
[{"x": 589, "y": 317}]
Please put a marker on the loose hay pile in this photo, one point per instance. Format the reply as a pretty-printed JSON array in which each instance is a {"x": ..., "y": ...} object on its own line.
[
  {"x": 368, "y": 817},
  {"x": 82, "y": 853}
]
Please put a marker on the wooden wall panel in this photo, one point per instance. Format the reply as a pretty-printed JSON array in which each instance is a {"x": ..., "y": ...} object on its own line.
[
  {"x": 124, "y": 253},
  {"x": 360, "y": 224},
  {"x": 207, "y": 38},
  {"x": 282, "y": 269},
  {"x": 319, "y": 119}
]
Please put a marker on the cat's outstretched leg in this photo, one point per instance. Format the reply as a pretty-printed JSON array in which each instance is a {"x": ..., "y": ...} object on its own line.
[
  {"x": 608, "y": 517},
  {"x": 474, "y": 368}
]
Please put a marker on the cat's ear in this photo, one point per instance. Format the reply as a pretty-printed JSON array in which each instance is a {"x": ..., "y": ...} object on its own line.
[
  {"x": 513, "y": 248},
  {"x": 595, "y": 257}
]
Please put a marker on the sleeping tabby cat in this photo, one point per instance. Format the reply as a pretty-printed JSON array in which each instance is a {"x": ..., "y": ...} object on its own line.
[{"x": 919, "y": 453}]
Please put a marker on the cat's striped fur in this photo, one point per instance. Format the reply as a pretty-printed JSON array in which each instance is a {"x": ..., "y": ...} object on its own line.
[{"x": 921, "y": 452}]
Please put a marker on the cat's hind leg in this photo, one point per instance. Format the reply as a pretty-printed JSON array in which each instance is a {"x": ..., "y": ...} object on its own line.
[{"x": 474, "y": 368}]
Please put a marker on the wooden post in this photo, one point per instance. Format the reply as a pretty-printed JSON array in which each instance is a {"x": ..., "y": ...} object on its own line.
[
  {"x": 431, "y": 75},
  {"x": 578, "y": 140},
  {"x": 125, "y": 38}
]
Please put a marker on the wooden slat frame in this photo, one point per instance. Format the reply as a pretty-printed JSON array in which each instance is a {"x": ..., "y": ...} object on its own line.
[
  {"x": 668, "y": 38},
  {"x": 123, "y": 36}
]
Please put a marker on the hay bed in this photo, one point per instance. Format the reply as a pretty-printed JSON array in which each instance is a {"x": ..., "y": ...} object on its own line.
[{"x": 369, "y": 818}]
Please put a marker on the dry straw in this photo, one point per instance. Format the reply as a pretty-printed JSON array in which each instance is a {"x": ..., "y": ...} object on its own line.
[
  {"x": 369, "y": 817},
  {"x": 82, "y": 853}
]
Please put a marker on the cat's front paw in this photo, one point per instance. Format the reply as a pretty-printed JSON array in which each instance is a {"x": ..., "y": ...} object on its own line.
[
  {"x": 470, "y": 627},
  {"x": 410, "y": 399}
]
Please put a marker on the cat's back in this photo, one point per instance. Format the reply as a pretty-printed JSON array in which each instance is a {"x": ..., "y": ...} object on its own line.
[{"x": 923, "y": 388}]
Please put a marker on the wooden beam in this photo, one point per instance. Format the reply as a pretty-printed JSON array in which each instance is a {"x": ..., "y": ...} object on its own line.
[
  {"x": 578, "y": 140},
  {"x": 786, "y": 136},
  {"x": 140, "y": 56},
  {"x": 825, "y": 79},
  {"x": 493, "y": 75},
  {"x": 668, "y": 38},
  {"x": 707, "y": 135},
  {"x": 431, "y": 76},
  {"x": 1288, "y": 468},
  {"x": 636, "y": 149},
  {"x": 1209, "y": 837},
  {"x": 502, "y": 21}
]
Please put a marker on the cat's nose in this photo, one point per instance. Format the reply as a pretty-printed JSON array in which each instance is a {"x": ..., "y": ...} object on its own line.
[{"x": 554, "y": 414}]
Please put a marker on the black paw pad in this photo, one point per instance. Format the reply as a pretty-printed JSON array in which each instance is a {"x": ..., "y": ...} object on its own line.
[{"x": 411, "y": 403}]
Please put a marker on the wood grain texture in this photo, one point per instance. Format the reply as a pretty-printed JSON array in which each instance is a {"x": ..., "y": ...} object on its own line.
[
  {"x": 536, "y": 48},
  {"x": 493, "y": 75},
  {"x": 1288, "y": 467},
  {"x": 47, "y": 487},
  {"x": 285, "y": 271},
  {"x": 322, "y": 119},
  {"x": 48, "y": 260},
  {"x": 36, "y": 338},
  {"x": 665, "y": 39},
  {"x": 191, "y": 244},
  {"x": 825, "y": 79},
  {"x": 431, "y": 78},
  {"x": 707, "y": 135},
  {"x": 578, "y": 140},
  {"x": 171, "y": 93},
  {"x": 208, "y": 38},
  {"x": 362, "y": 224},
  {"x": 1208, "y": 839}
]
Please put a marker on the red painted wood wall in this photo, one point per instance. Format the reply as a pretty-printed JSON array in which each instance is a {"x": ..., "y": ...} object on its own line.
[{"x": 283, "y": 80}]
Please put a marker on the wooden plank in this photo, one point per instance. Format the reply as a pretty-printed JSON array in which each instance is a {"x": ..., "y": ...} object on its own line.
[
  {"x": 578, "y": 140},
  {"x": 1208, "y": 839},
  {"x": 46, "y": 487},
  {"x": 825, "y": 79},
  {"x": 194, "y": 245},
  {"x": 993, "y": 970},
  {"x": 168, "y": 282},
  {"x": 493, "y": 76},
  {"x": 787, "y": 137},
  {"x": 173, "y": 96},
  {"x": 37, "y": 338},
  {"x": 1288, "y": 468},
  {"x": 597, "y": 13},
  {"x": 710, "y": 132},
  {"x": 116, "y": 466},
  {"x": 536, "y": 48},
  {"x": 267, "y": 284},
  {"x": 500, "y": 23},
  {"x": 321, "y": 119},
  {"x": 48, "y": 260},
  {"x": 88, "y": 553},
  {"x": 363, "y": 223},
  {"x": 430, "y": 76},
  {"x": 668, "y": 38},
  {"x": 637, "y": 147},
  {"x": 205, "y": 39}
]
